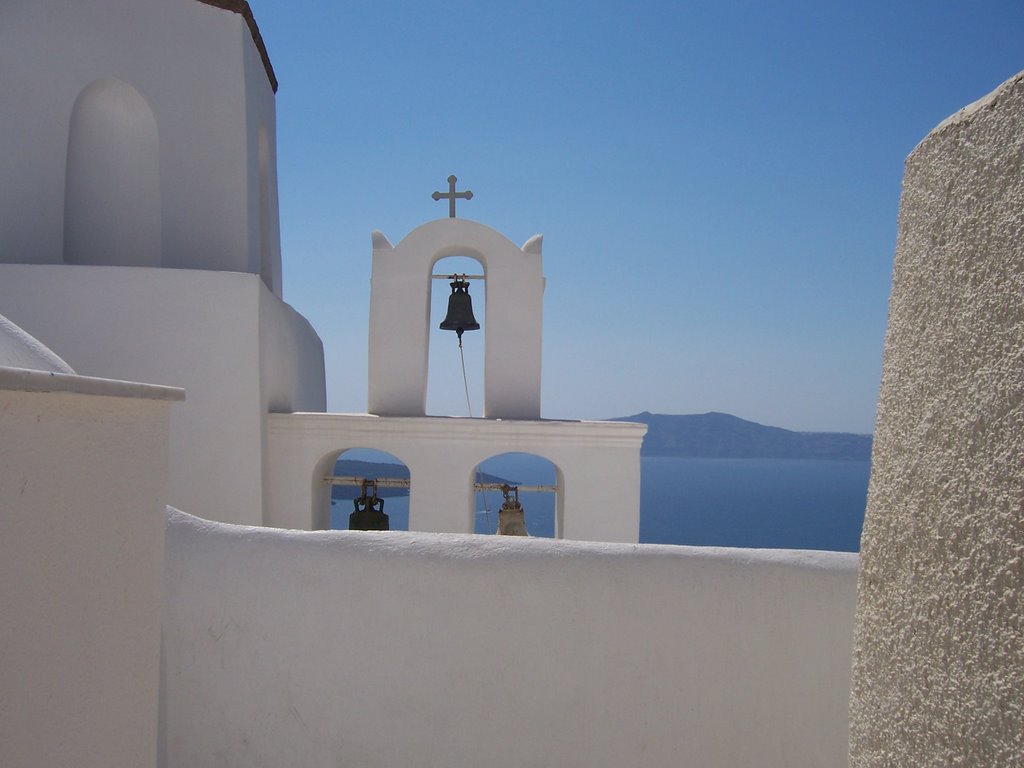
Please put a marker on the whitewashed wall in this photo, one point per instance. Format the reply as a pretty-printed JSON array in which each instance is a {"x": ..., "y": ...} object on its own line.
[
  {"x": 199, "y": 100},
  {"x": 82, "y": 494},
  {"x": 238, "y": 351},
  {"x": 456, "y": 651}
]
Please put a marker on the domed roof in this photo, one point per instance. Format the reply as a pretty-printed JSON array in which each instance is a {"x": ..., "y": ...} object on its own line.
[{"x": 21, "y": 350}]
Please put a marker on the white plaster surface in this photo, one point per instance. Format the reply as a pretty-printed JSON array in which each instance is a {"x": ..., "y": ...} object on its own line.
[
  {"x": 112, "y": 182},
  {"x": 82, "y": 495},
  {"x": 400, "y": 309},
  {"x": 598, "y": 468},
  {"x": 20, "y": 350},
  {"x": 938, "y": 674},
  {"x": 237, "y": 350},
  {"x": 196, "y": 69},
  {"x": 456, "y": 651}
]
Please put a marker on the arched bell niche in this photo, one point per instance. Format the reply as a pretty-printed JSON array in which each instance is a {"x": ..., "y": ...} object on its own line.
[
  {"x": 542, "y": 509},
  {"x": 370, "y": 464},
  {"x": 446, "y": 390},
  {"x": 400, "y": 318}
]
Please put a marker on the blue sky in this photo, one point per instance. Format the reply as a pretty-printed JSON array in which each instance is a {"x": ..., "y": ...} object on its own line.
[{"x": 717, "y": 183}]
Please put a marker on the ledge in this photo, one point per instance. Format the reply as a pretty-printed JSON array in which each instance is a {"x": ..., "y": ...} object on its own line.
[
  {"x": 972, "y": 110},
  {"x": 432, "y": 427},
  {"x": 25, "y": 380},
  {"x": 469, "y": 546}
]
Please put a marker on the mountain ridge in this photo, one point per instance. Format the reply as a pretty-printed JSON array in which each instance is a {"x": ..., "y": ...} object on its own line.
[{"x": 715, "y": 435}]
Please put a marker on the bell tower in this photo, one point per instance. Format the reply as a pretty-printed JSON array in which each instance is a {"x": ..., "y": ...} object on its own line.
[
  {"x": 399, "y": 317},
  {"x": 597, "y": 463}
]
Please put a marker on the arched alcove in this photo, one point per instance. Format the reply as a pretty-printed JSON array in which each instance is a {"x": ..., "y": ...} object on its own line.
[
  {"x": 446, "y": 390},
  {"x": 266, "y": 229},
  {"x": 112, "y": 182},
  {"x": 543, "y": 510},
  {"x": 370, "y": 464}
]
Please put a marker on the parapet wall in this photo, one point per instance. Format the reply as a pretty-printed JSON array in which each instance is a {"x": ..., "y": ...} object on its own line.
[
  {"x": 939, "y": 653},
  {"x": 389, "y": 649},
  {"x": 82, "y": 493}
]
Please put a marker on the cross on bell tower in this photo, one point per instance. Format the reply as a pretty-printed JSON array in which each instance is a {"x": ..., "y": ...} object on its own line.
[{"x": 451, "y": 196}]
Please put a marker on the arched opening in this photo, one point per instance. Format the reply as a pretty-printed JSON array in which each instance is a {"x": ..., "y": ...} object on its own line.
[
  {"x": 392, "y": 486},
  {"x": 112, "y": 179},
  {"x": 446, "y": 390},
  {"x": 539, "y": 481}
]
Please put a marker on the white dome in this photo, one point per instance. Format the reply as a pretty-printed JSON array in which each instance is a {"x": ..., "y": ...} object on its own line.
[{"x": 20, "y": 350}]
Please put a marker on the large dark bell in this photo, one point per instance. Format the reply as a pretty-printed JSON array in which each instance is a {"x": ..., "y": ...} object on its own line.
[{"x": 460, "y": 310}]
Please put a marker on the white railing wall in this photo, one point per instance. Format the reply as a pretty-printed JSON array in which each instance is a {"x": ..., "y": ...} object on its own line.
[{"x": 457, "y": 651}]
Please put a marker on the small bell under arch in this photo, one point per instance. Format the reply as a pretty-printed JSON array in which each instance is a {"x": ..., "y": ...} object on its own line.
[
  {"x": 511, "y": 517},
  {"x": 369, "y": 511},
  {"x": 460, "y": 309}
]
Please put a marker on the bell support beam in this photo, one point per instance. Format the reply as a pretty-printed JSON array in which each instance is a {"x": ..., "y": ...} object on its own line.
[{"x": 402, "y": 482}]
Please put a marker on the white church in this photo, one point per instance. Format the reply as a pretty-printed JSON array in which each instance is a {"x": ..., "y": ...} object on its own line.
[{"x": 167, "y": 595}]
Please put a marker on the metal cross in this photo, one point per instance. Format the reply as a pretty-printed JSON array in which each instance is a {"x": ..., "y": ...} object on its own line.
[{"x": 451, "y": 195}]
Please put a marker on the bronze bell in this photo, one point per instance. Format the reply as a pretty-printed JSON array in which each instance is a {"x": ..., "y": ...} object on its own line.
[
  {"x": 368, "y": 514},
  {"x": 511, "y": 517},
  {"x": 460, "y": 309}
]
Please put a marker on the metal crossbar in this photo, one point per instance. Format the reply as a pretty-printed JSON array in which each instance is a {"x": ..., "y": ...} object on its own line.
[{"x": 403, "y": 482}]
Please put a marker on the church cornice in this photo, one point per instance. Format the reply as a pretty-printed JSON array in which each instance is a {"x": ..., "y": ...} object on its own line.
[{"x": 242, "y": 8}]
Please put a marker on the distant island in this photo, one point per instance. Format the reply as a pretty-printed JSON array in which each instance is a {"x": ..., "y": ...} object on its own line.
[{"x": 723, "y": 436}]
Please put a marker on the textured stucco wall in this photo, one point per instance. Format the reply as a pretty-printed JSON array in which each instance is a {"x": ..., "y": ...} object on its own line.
[
  {"x": 938, "y": 673},
  {"x": 378, "y": 650}
]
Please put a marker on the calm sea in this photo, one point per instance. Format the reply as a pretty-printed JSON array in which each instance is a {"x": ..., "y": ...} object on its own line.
[
  {"x": 787, "y": 503},
  {"x": 784, "y": 503}
]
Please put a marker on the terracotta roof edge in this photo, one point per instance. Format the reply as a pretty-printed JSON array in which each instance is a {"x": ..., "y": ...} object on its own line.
[{"x": 242, "y": 8}]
